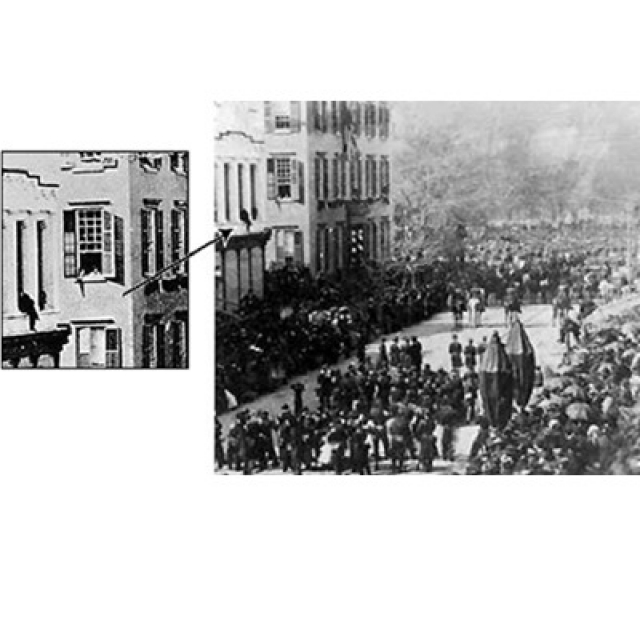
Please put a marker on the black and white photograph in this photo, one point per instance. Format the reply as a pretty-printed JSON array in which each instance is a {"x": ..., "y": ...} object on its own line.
[
  {"x": 94, "y": 269},
  {"x": 427, "y": 287}
]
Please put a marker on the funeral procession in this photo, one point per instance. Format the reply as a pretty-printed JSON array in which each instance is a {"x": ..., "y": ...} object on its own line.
[{"x": 427, "y": 287}]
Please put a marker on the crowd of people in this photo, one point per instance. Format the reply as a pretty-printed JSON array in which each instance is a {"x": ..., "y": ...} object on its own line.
[
  {"x": 386, "y": 407},
  {"x": 583, "y": 421},
  {"x": 304, "y": 323}
]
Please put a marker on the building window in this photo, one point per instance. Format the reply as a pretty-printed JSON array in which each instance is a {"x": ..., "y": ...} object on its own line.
[
  {"x": 374, "y": 178},
  {"x": 289, "y": 245},
  {"x": 253, "y": 180},
  {"x": 356, "y": 178},
  {"x": 20, "y": 257},
  {"x": 323, "y": 117},
  {"x": 384, "y": 177},
  {"x": 384, "y": 120},
  {"x": 240, "y": 187},
  {"x": 335, "y": 117},
  {"x": 325, "y": 178},
  {"x": 153, "y": 346},
  {"x": 150, "y": 161},
  {"x": 317, "y": 115},
  {"x": 356, "y": 118},
  {"x": 178, "y": 342},
  {"x": 370, "y": 119},
  {"x": 335, "y": 165},
  {"x": 283, "y": 178},
  {"x": 93, "y": 244},
  {"x": 179, "y": 238},
  {"x": 99, "y": 348},
  {"x": 42, "y": 294},
  {"x": 227, "y": 191},
  {"x": 343, "y": 177},
  {"x": 283, "y": 121},
  {"x": 318, "y": 176},
  {"x": 178, "y": 162},
  {"x": 152, "y": 227}
]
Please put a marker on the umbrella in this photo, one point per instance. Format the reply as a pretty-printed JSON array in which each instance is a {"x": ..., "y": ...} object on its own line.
[
  {"x": 552, "y": 401},
  {"x": 573, "y": 390},
  {"x": 578, "y": 411},
  {"x": 523, "y": 361},
  {"x": 496, "y": 383},
  {"x": 555, "y": 384}
]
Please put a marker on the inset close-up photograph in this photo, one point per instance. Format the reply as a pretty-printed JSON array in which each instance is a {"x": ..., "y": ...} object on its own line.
[
  {"x": 94, "y": 268},
  {"x": 427, "y": 287}
]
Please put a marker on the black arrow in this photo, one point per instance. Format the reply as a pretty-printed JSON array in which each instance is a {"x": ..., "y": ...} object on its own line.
[{"x": 221, "y": 234}]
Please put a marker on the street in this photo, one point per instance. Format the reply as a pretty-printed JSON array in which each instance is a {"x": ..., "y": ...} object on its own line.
[{"x": 435, "y": 336}]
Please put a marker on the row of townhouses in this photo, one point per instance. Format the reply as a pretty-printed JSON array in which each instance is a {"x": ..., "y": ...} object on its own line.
[
  {"x": 301, "y": 183},
  {"x": 79, "y": 230}
]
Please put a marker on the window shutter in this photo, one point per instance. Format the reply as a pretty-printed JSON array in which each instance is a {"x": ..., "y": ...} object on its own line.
[
  {"x": 295, "y": 193},
  {"x": 145, "y": 228},
  {"x": 324, "y": 124},
  {"x": 159, "y": 240},
  {"x": 112, "y": 351},
  {"x": 185, "y": 239},
  {"x": 107, "y": 245},
  {"x": 374, "y": 178},
  {"x": 160, "y": 347},
  {"x": 318, "y": 177},
  {"x": 298, "y": 247},
  {"x": 174, "y": 328},
  {"x": 301, "y": 193},
  {"x": 357, "y": 119},
  {"x": 343, "y": 178},
  {"x": 359, "y": 177},
  {"x": 118, "y": 228},
  {"x": 70, "y": 245},
  {"x": 185, "y": 343},
  {"x": 147, "y": 337},
  {"x": 325, "y": 178},
  {"x": 271, "y": 178},
  {"x": 336, "y": 177},
  {"x": 269, "y": 124},
  {"x": 295, "y": 116},
  {"x": 175, "y": 236}
]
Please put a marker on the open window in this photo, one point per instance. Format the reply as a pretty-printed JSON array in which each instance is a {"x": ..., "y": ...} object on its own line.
[
  {"x": 93, "y": 244},
  {"x": 283, "y": 178}
]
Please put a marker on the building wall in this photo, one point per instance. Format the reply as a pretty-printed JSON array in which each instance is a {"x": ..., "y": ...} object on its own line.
[
  {"x": 165, "y": 303},
  {"x": 292, "y": 214},
  {"x": 240, "y": 145},
  {"x": 28, "y": 200},
  {"x": 324, "y": 217},
  {"x": 99, "y": 302}
]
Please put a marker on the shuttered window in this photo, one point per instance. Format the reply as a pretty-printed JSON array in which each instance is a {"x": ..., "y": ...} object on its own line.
[{"x": 93, "y": 244}]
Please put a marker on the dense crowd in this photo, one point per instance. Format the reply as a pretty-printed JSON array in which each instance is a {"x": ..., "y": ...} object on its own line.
[
  {"x": 303, "y": 322},
  {"x": 583, "y": 421},
  {"x": 386, "y": 407}
]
